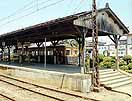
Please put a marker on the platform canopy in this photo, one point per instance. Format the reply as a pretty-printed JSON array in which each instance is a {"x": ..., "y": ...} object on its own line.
[{"x": 68, "y": 27}]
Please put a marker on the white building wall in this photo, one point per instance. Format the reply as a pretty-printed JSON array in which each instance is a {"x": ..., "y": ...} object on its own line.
[
  {"x": 102, "y": 49},
  {"x": 129, "y": 39},
  {"x": 129, "y": 44},
  {"x": 123, "y": 49},
  {"x": 129, "y": 49},
  {"x": 111, "y": 50}
]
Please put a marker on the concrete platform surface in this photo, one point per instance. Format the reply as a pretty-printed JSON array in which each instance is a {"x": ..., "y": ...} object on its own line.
[
  {"x": 125, "y": 89},
  {"x": 71, "y": 80},
  {"x": 49, "y": 67}
]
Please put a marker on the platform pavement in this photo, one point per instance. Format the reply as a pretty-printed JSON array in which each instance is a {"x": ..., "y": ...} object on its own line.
[
  {"x": 49, "y": 67},
  {"x": 126, "y": 89},
  {"x": 69, "y": 69}
]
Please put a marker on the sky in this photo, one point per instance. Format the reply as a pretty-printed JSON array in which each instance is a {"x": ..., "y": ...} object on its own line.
[{"x": 14, "y": 13}]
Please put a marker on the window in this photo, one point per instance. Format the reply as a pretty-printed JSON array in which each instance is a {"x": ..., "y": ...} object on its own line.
[
  {"x": 75, "y": 51},
  {"x": 121, "y": 52},
  {"x": 130, "y": 48},
  {"x": 67, "y": 52}
]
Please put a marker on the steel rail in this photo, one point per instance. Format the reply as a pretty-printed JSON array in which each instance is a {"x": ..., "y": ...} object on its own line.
[
  {"x": 7, "y": 97},
  {"x": 52, "y": 89},
  {"x": 32, "y": 90}
]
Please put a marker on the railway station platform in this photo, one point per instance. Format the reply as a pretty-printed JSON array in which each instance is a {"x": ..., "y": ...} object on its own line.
[
  {"x": 49, "y": 67},
  {"x": 61, "y": 76}
]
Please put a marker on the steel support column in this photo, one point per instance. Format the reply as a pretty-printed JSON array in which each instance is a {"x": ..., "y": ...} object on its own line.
[
  {"x": 38, "y": 45},
  {"x": 45, "y": 53},
  {"x": 21, "y": 59},
  {"x": 27, "y": 54},
  {"x": 54, "y": 43},
  {"x": 3, "y": 50},
  {"x": 2, "y": 57},
  {"x": 8, "y": 47}
]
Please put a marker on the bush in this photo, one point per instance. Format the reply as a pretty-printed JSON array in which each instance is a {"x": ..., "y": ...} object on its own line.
[
  {"x": 129, "y": 71},
  {"x": 108, "y": 62},
  {"x": 101, "y": 57},
  {"x": 122, "y": 63},
  {"x": 127, "y": 58},
  {"x": 124, "y": 67},
  {"x": 113, "y": 66},
  {"x": 130, "y": 66},
  {"x": 113, "y": 57},
  {"x": 87, "y": 62},
  {"x": 108, "y": 59}
]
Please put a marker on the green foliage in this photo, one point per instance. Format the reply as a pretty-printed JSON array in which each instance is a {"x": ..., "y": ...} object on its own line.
[
  {"x": 130, "y": 66},
  {"x": 108, "y": 59},
  {"x": 101, "y": 57},
  {"x": 127, "y": 58},
  {"x": 122, "y": 63},
  {"x": 108, "y": 62},
  {"x": 129, "y": 71},
  {"x": 87, "y": 63},
  {"x": 125, "y": 67},
  {"x": 113, "y": 57}
]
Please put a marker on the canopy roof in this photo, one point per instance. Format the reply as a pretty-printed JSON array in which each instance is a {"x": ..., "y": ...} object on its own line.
[{"x": 67, "y": 28}]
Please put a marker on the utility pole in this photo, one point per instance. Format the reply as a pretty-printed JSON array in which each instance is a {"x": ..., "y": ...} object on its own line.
[{"x": 95, "y": 71}]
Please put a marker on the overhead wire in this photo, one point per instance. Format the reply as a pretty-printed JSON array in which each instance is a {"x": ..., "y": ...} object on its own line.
[
  {"x": 52, "y": 4},
  {"x": 81, "y": 4},
  {"x": 17, "y": 11},
  {"x": 25, "y": 8},
  {"x": 78, "y": 6}
]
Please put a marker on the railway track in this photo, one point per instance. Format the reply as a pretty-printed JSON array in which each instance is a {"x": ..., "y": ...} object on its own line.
[
  {"x": 55, "y": 94},
  {"x": 7, "y": 98}
]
